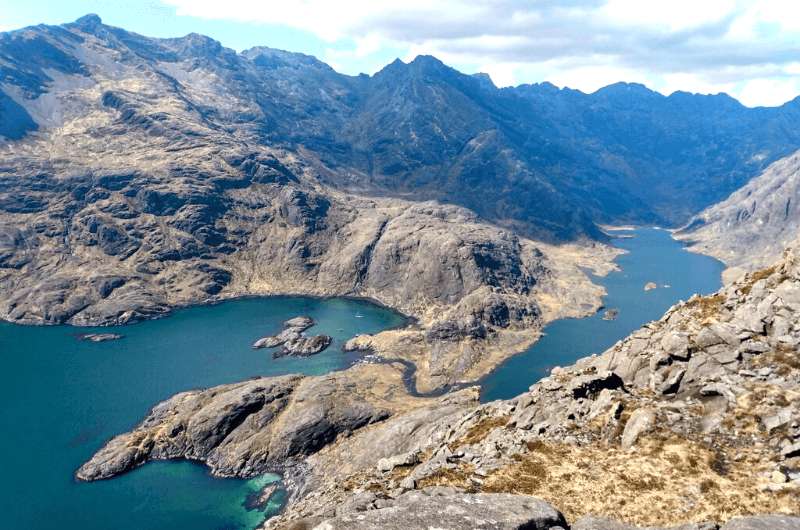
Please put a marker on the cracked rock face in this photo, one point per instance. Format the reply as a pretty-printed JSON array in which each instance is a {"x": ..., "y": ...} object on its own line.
[{"x": 242, "y": 429}]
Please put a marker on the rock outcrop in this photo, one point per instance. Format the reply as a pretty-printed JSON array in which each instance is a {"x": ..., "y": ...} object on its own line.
[
  {"x": 443, "y": 509},
  {"x": 293, "y": 341},
  {"x": 692, "y": 418},
  {"x": 250, "y": 428}
]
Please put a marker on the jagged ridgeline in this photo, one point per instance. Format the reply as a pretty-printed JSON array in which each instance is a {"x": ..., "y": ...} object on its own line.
[{"x": 545, "y": 160}]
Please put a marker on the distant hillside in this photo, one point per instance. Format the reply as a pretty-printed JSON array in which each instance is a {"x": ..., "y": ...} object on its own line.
[{"x": 750, "y": 229}]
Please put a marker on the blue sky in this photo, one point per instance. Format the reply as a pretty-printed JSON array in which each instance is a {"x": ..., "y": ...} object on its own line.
[{"x": 747, "y": 48}]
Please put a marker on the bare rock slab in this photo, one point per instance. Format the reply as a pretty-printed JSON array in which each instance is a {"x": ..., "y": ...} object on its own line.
[
  {"x": 590, "y": 522},
  {"x": 763, "y": 522},
  {"x": 452, "y": 511}
]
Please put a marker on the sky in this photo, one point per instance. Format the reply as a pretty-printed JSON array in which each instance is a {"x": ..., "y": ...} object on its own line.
[{"x": 748, "y": 49}]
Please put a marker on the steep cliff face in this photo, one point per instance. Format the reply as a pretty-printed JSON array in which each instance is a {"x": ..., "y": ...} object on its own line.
[
  {"x": 692, "y": 418},
  {"x": 750, "y": 229}
]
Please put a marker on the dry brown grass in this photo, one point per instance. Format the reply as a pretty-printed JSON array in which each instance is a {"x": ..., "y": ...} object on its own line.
[
  {"x": 782, "y": 359},
  {"x": 458, "y": 477},
  {"x": 665, "y": 481},
  {"x": 480, "y": 430},
  {"x": 756, "y": 276},
  {"x": 706, "y": 306}
]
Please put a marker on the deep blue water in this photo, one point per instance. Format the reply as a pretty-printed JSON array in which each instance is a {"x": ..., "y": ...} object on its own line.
[
  {"x": 61, "y": 399},
  {"x": 652, "y": 256}
]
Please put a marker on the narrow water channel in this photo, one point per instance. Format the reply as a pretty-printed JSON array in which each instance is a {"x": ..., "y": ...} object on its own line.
[{"x": 652, "y": 256}]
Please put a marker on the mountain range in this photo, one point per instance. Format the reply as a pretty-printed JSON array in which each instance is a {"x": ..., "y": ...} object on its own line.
[{"x": 548, "y": 162}]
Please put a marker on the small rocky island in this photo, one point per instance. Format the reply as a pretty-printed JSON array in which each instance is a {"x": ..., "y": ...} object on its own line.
[
  {"x": 99, "y": 337},
  {"x": 293, "y": 339},
  {"x": 611, "y": 314}
]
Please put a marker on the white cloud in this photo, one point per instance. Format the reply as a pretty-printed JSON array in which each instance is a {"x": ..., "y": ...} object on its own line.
[
  {"x": 769, "y": 91},
  {"x": 747, "y": 48},
  {"x": 675, "y": 15},
  {"x": 502, "y": 74}
]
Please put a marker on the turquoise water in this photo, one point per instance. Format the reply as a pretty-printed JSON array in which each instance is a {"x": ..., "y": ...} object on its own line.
[
  {"x": 652, "y": 256},
  {"x": 61, "y": 399}
]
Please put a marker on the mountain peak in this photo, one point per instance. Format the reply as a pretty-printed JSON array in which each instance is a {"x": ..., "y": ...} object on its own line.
[
  {"x": 89, "y": 21},
  {"x": 426, "y": 60},
  {"x": 622, "y": 87}
]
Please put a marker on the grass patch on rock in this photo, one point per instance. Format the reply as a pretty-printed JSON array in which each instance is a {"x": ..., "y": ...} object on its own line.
[{"x": 663, "y": 481}]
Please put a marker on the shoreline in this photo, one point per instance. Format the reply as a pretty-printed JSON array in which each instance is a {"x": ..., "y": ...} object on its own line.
[{"x": 408, "y": 320}]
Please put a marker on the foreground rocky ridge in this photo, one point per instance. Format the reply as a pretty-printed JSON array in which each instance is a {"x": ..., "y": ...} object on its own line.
[
  {"x": 692, "y": 418},
  {"x": 750, "y": 229}
]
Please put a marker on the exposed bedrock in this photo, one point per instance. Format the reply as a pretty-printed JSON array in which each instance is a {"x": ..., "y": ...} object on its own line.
[
  {"x": 293, "y": 341},
  {"x": 190, "y": 189},
  {"x": 249, "y": 428},
  {"x": 443, "y": 509},
  {"x": 120, "y": 254},
  {"x": 751, "y": 228},
  {"x": 692, "y": 418}
]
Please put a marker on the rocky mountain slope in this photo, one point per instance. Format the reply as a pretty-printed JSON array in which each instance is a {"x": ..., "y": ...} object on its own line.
[
  {"x": 692, "y": 418},
  {"x": 750, "y": 229},
  {"x": 150, "y": 182},
  {"x": 545, "y": 161}
]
